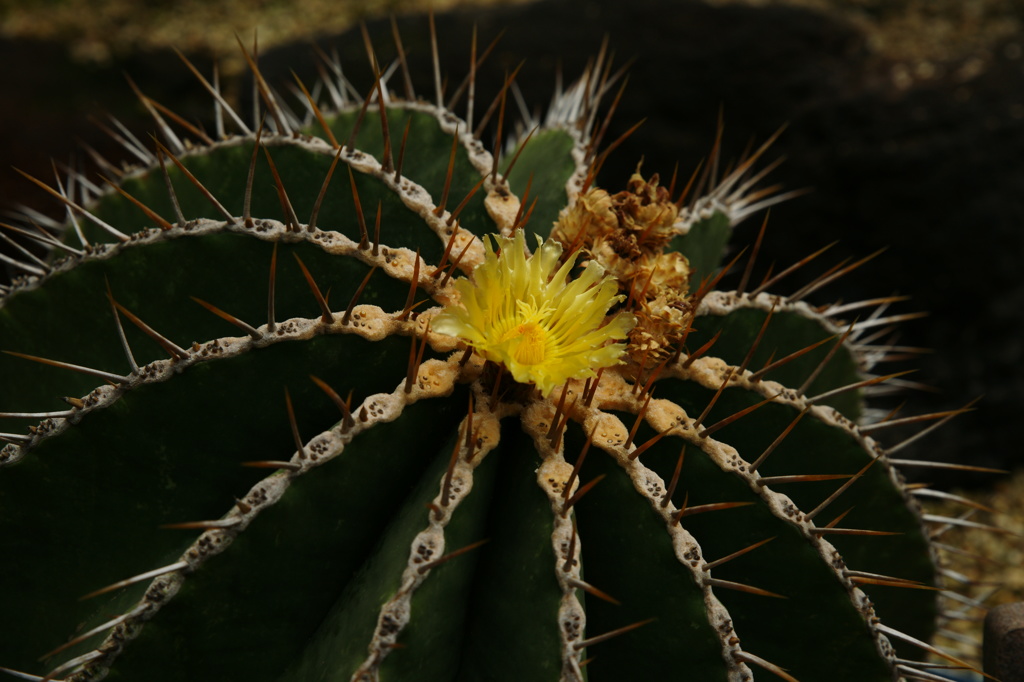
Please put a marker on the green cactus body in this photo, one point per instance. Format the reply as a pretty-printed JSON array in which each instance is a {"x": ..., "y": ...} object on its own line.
[{"x": 349, "y": 547}]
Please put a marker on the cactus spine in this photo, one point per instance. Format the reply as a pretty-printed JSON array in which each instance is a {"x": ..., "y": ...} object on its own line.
[{"x": 707, "y": 504}]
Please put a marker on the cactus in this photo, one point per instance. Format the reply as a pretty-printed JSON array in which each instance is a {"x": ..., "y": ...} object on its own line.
[{"x": 325, "y": 419}]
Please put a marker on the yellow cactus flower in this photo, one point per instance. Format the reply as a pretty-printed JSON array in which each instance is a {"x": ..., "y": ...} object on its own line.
[{"x": 526, "y": 314}]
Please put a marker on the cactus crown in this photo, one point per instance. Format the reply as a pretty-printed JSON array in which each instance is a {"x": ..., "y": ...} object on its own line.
[{"x": 469, "y": 475}]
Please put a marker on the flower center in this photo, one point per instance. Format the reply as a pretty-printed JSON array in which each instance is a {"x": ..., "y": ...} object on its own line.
[{"x": 528, "y": 344}]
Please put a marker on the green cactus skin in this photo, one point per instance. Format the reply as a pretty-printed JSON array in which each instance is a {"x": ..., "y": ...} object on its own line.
[{"x": 439, "y": 530}]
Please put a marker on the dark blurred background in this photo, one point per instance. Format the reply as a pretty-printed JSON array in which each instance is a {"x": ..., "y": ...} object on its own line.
[{"x": 917, "y": 150}]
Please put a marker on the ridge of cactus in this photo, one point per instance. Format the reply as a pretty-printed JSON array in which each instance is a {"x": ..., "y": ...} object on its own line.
[{"x": 289, "y": 419}]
